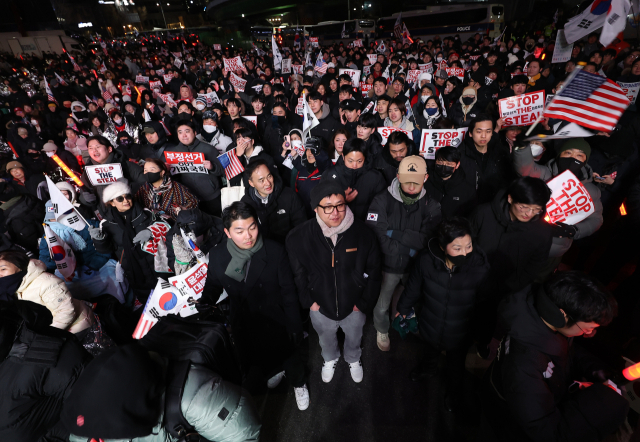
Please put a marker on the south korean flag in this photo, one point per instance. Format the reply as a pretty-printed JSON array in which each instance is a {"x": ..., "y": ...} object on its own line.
[{"x": 373, "y": 217}]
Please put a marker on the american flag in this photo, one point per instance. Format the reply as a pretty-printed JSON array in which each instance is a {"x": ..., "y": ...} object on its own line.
[
  {"x": 73, "y": 61},
  {"x": 50, "y": 96},
  {"x": 589, "y": 100},
  {"x": 106, "y": 95},
  {"x": 321, "y": 66},
  {"x": 397, "y": 28},
  {"x": 231, "y": 163}
]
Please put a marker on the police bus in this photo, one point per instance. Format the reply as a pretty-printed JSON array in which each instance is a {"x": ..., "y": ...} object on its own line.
[{"x": 447, "y": 20}]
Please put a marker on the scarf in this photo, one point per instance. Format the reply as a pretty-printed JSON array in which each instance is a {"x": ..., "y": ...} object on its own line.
[
  {"x": 236, "y": 269},
  {"x": 532, "y": 80},
  {"x": 9, "y": 285},
  {"x": 406, "y": 198},
  {"x": 209, "y": 136},
  {"x": 258, "y": 198},
  {"x": 68, "y": 235},
  {"x": 333, "y": 232},
  {"x": 431, "y": 120},
  {"x": 155, "y": 195}
]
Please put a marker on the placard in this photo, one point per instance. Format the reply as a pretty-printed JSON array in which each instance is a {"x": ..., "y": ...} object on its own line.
[
  {"x": 177, "y": 63},
  {"x": 211, "y": 98},
  {"x": 233, "y": 64},
  {"x": 354, "y": 74},
  {"x": 434, "y": 139},
  {"x": 365, "y": 89},
  {"x": 387, "y": 130},
  {"x": 412, "y": 76},
  {"x": 286, "y": 66},
  {"x": 300, "y": 106},
  {"x": 237, "y": 82},
  {"x": 562, "y": 50},
  {"x": 160, "y": 71},
  {"x": 373, "y": 58},
  {"x": 570, "y": 201},
  {"x": 167, "y": 78},
  {"x": 253, "y": 119},
  {"x": 314, "y": 42},
  {"x": 185, "y": 162},
  {"x": 217, "y": 47},
  {"x": 630, "y": 90},
  {"x": 357, "y": 43},
  {"x": 427, "y": 67},
  {"x": 366, "y": 70},
  {"x": 155, "y": 84},
  {"x": 104, "y": 174},
  {"x": 297, "y": 69},
  {"x": 522, "y": 110},
  {"x": 455, "y": 72},
  {"x": 141, "y": 79}
]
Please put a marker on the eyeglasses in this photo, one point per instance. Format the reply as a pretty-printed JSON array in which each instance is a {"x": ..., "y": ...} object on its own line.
[
  {"x": 525, "y": 210},
  {"x": 121, "y": 198},
  {"x": 328, "y": 210}
]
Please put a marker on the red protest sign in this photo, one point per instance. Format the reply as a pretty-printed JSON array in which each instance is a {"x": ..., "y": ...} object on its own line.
[
  {"x": 455, "y": 72},
  {"x": 521, "y": 110},
  {"x": 366, "y": 88},
  {"x": 233, "y": 64},
  {"x": 237, "y": 82},
  {"x": 184, "y": 157},
  {"x": 570, "y": 201},
  {"x": 155, "y": 84}
]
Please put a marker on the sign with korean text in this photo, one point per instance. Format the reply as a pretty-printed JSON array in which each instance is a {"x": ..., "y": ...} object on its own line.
[
  {"x": 562, "y": 50},
  {"x": 160, "y": 71},
  {"x": 630, "y": 90},
  {"x": 104, "y": 174},
  {"x": 297, "y": 69},
  {"x": 354, "y": 74},
  {"x": 314, "y": 41},
  {"x": 300, "y": 106},
  {"x": 141, "y": 79},
  {"x": 155, "y": 84},
  {"x": 211, "y": 98},
  {"x": 372, "y": 58},
  {"x": 387, "y": 130},
  {"x": 286, "y": 66},
  {"x": 570, "y": 201},
  {"x": 191, "y": 284},
  {"x": 185, "y": 162},
  {"x": 521, "y": 110},
  {"x": 357, "y": 43},
  {"x": 427, "y": 67},
  {"x": 455, "y": 72},
  {"x": 366, "y": 88},
  {"x": 434, "y": 139},
  {"x": 217, "y": 47},
  {"x": 167, "y": 78},
  {"x": 237, "y": 82},
  {"x": 233, "y": 64}
]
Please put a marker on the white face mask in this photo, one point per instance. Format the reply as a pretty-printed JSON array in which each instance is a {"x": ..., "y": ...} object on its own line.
[
  {"x": 209, "y": 128},
  {"x": 50, "y": 154},
  {"x": 438, "y": 59},
  {"x": 515, "y": 50},
  {"x": 424, "y": 98},
  {"x": 536, "y": 150},
  {"x": 541, "y": 40},
  {"x": 118, "y": 121},
  {"x": 200, "y": 106}
]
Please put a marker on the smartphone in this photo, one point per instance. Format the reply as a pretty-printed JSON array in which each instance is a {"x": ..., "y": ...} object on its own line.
[
  {"x": 598, "y": 178},
  {"x": 287, "y": 141}
]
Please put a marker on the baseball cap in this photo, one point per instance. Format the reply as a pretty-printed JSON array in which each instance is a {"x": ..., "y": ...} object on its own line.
[
  {"x": 49, "y": 147},
  {"x": 412, "y": 169},
  {"x": 349, "y": 105},
  {"x": 148, "y": 130},
  {"x": 14, "y": 165}
]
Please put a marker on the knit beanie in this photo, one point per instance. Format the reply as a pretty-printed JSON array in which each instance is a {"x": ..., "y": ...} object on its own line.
[
  {"x": 469, "y": 90},
  {"x": 576, "y": 143},
  {"x": 323, "y": 190},
  {"x": 115, "y": 190}
]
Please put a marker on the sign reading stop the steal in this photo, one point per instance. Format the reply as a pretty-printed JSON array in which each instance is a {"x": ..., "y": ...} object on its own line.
[
  {"x": 522, "y": 110},
  {"x": 570, "y": 201},
  {"x": 387, "y": 130},
  {"x": 434, "y": 139},
  {"x": 104, "y": 174}
]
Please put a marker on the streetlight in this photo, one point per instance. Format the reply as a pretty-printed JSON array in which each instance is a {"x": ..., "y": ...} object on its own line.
[{"x": 163, "y": 17}]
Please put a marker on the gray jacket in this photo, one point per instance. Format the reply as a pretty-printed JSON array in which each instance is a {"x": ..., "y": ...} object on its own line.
[{"x": 525, "y": 166}]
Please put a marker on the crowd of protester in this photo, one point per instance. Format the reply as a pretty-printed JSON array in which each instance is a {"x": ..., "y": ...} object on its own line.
[{"x": 317, "y": 231}]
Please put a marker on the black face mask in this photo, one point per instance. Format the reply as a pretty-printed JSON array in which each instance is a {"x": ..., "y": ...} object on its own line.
[
  {"x": 457, "y": 260},
  {"x": 124, "y": 142},
  {"x": 467, "y": 100},
  {"x": 153, "y": 177},
  {"x": 571, "y": 164},
  {"x": 34, "y": 154},
  {"x": 444, "y": 171}
]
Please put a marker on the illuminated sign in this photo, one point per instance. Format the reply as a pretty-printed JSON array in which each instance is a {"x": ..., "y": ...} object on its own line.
[{"x": 85, "y": 25}]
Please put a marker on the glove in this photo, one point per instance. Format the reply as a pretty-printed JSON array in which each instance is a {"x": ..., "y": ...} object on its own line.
[
  {"x": 87, "y": 198},
  {"x": 143, "y": 236},
  {"x": 187, "y": 217},
  {"x": 562, "y": 230},
  {"x": 96, "y": 233}
]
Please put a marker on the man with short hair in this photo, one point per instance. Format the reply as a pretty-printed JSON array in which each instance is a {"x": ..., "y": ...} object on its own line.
[
  {"x": 403, "y": 218},
  {"x": 543, "y": 386},
  {"x": 211, "y": 132},
  {"x": 234, "y": 108},
  {"x": 397, "y": 148},
  {"x": 382, "y": 109},
  {"x": 278, "y": 208},
  {"x": 349, "y": 114},
  {"x": 336, "y": 263},
  {"x": 328, "y": 125}
]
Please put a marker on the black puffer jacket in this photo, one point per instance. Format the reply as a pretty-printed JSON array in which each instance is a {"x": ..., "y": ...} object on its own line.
[
  {"x": 448, "y": 296},
  {"x": 386, "y": 165},
  {"x": 328, "y": 125},
  {"x": 336, "y": 277},
  {"x": 23, "y": 217},
  {"x": 459, "y": 118},
  {"x": 456, "y": 196},
  {"x": 366, "y": 180},
  {"x": 280, "y": 215},
  {"x": 533, "y": 373},
  {"x": 516, "y": 250},
  {"x": 412, "y": 225},
  {"x": 155, "y": 150}
]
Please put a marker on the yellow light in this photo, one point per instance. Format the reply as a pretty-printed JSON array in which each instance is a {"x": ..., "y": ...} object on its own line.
[
  {"x": 623, "y": 210},
  {"x": 67, "y": 170}
]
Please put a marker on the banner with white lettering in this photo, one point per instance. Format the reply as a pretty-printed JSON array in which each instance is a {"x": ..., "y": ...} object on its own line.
[
  {"x": 237, "y": 82},
  {"x": 570, "y": 201},
  {"x": 104, "y": 174},
  {"x": 185, "y": 162},
  {"x": 387, "y": 130},
  {"x": 562, "y": 50},
  {"x": 455, "y": 72},
  {"x": 427, "y": 67},
  {"x": 354, "y": 74},
  {"x": 140, "y": 79},
  {"x": 630, "y": 90},
  {"x": 286, "y": 66},
  {"x": 167, "y": 78},
  {"x": 434, "y": 139},
  {"x": 233, "y": 64},
  {"x": 190, "y": 285},
  {"x": 522, "y": 110},
  {"x": 155, "y": 84}
]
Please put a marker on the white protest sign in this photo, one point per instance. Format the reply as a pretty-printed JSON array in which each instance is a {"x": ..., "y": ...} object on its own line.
[
  {"x": 372, "y": 58},
  {"x": 522, "y": 110},
  {"x": 185, "y": 162},
  {"x": 427, "y": 67},
  {"x": 354, "y": 74},
  {"x": 211, "y": 98},
  {"x": 217, "y": 47},
  {"x": 387, "y": 130},
  {"x": 412, "y": 76},
  {"x": 237, "y": 82},
  {"x": 190, "y": 286},
  {"x": 142, "y": 79},
  {"x": 297, "y": 69},
  {"x": 570, "y": 201},
  {"x": 160, "y": 71},
  {"x": 104, "y": 174},
  {"x": 61, "y": 254},
  {"x": 357, "y": 43},
  {"x": 233, "y": 64},
  {"x": 300, "y": 106},
  {"x": 366, "y": 88},
  {"x": 167, "y": 78},
  {"x": 433, "y": 139},
  {"x": 314, "y": 41},
  {"x": 562, "y": 50},
  {"x": 455, "y": 72},
  {"x": 630, "y": 90},
  {"x": 286, "y": 66},
  {"x": 253, "y": 119},
  {"x": 155, "y": 84},
  {"x": 177, "y": 63},
  {"x": 166, "y": 98}
]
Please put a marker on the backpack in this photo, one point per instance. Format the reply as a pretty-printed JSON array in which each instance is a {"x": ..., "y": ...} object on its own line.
[{"x": 185, "y": 341}]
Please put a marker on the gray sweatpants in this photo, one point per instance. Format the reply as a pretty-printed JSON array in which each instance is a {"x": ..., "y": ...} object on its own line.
[
  {"x": 327, "y": 330},
  {"x": 381, "y": 311}
]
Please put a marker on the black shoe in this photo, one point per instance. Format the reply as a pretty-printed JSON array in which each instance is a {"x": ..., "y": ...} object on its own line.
[{"x": 423, "y": 371}]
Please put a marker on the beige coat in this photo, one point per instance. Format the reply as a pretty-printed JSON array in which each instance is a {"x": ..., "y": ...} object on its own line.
[{"x": 46, "y": 289}]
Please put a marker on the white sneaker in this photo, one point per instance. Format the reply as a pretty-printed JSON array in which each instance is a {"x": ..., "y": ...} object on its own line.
[
  {"x": 356, "y": 371},
  {"x": 328, "y": 369},
  {"x": 383, "y": 341},
  {"x": 302, "y": 397},
  {"x": 275, "y": 381}
]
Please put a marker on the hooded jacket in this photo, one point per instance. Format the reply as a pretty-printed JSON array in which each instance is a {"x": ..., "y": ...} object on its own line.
[
  {"x": 449, "y": 296},
  {"x": 328, "y": 125},
  {"x": 526, "y": 166},
  {"x": 280, "y": 215},
  {"x": 386, "y": 165},
  {"x": 532, "y": 375},
  {"x": 155, "y": 150},
  {"x": 336, "y": 277},
  {"x": 517, "y": 251},
  {"x": 218, "y": 140},
  {"x": 412, "y": 226},
  {"x": 457, "y": 196},
  {"x": 366, "y": 180},
  {"x": 456, "y": 114},
  {"x": 23, "y": 217}
]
